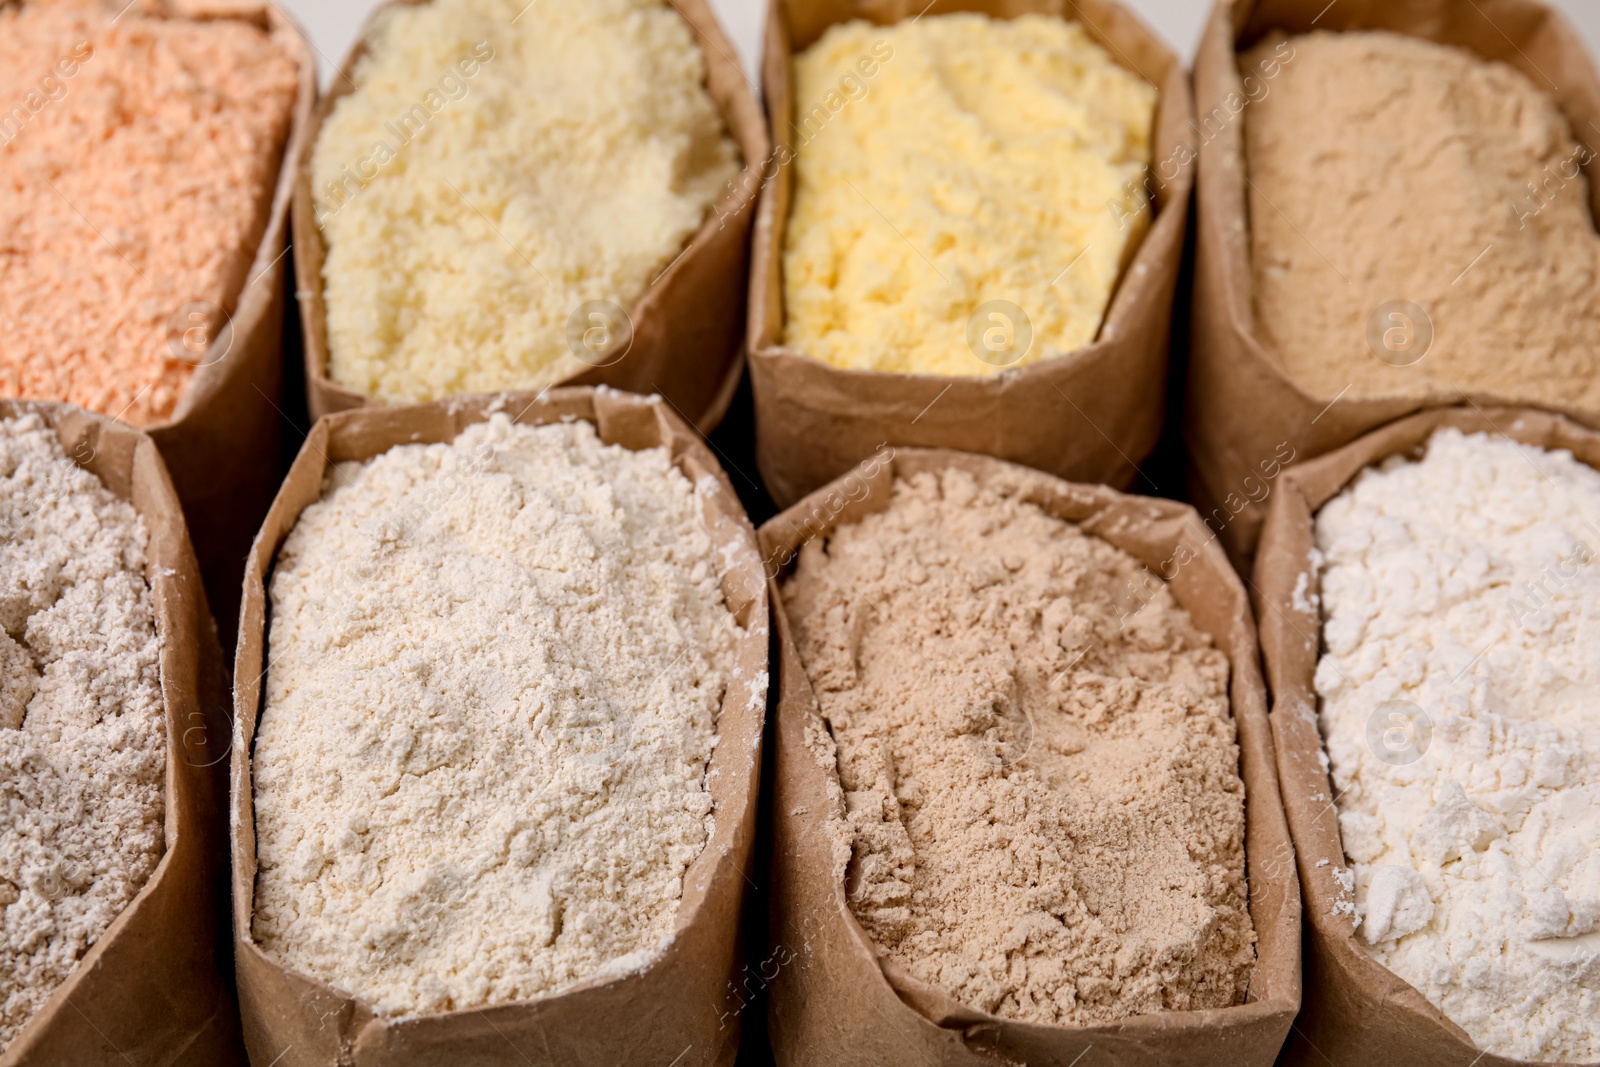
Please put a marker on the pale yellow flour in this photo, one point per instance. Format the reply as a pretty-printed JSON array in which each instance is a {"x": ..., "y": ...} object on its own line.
[{"x": 500, "y": 164}]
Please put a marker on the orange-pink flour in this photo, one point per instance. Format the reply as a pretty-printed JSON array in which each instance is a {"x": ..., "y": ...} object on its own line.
[{"x": 137, "y": 154}]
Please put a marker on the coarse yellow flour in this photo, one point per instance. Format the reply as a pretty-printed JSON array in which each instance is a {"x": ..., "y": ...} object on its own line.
[
  {"x": 83, "y": 737},
  {"x": 949, "y": 161},
  {"x": 495, "y": 666},
  {"x": 1045, "y": 816}
]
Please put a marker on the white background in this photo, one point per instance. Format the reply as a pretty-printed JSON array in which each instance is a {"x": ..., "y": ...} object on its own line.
[{"x": 333, "y": 24}]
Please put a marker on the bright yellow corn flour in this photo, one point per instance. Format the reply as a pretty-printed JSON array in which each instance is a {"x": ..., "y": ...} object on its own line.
[{"x": 950, "y": 161}]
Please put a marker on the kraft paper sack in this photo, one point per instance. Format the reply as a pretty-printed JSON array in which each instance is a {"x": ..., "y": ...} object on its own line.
[
  {"x": 686, "y": 328},
  {"x": 1243, "y": 417},
  {"x": 1090, "y": 415},
  {"x": 831, "y": 1002},
  {"x": 156, "y": 987},
  {"x": 1356, "y": 1010},
  {"x": 673, "y": 1007}
]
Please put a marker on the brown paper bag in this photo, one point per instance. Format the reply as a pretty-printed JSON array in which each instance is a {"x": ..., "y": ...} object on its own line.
[
  {"x": 686, "y": 327},
  {"x": 1356, "y": 1010},
  {"x": 831, "y": 1002},
  {"x": 1242, "y": 415},
  {"x": 155, "y": 988},
  {"x": 671, "y": 1009},
  {"x": 1091, "y": 415},
  {"x": 221, "y": 443}
]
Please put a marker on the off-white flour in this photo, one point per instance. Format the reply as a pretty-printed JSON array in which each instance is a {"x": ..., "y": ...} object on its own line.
[
  {"x": 82, "y": 729},
  {"x": 1045, "y": 813},
  {"x": 1461, "y": 593},
  {"x": 494, "y": 672}
]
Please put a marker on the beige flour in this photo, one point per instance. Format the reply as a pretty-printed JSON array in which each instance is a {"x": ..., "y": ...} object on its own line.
[
  {"x": 1387, "y": 168},
  {"x": 495, "y": 667},
  {"x": 82, "y": 729},
  {"x": 1042, "y": 786}
]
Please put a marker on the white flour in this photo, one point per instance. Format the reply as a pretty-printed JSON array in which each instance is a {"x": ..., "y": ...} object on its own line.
[
  {"x": 495, "y": 667},
  {"x": 1468, "y": 584},
  {"x": 82, "y": 729}
]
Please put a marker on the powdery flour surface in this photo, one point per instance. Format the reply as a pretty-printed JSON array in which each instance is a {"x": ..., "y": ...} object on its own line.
[
  {"x": 495, "y": 667},
  {"x": 82, "y": 729},
  {"x": 1389, "y": 168},
  {"x": 1466, "y": 585},
  {"x": 1045, "y": 810},
  {"x": 137, "y": 155}
]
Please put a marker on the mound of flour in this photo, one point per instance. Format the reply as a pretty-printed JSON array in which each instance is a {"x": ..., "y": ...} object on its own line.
[
  {"x": 1460, "y": 690},
  {"x": 82, "y": 729},
  {"x": 495, "y": 667},
  {"x": 1045, "y": 813}
]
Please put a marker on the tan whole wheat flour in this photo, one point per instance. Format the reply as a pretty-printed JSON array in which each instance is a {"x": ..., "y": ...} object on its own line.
[
  {"x": 82, "y": 729},
  {"x": 494, "y": 670},
  {"x": 1386, "y": 168},
  {"x": 1040, "y": 775}
]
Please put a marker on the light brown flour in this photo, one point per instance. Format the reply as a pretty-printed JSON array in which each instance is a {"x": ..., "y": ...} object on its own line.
[
  {"x": 1041, "y": 781},
  {"x": 1387, "y": 168}
]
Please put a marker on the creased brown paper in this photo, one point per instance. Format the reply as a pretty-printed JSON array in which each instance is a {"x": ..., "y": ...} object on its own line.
[
  {"x": 1241, "y": 410},
  {"x": 221, "y": 444},
  {"x": 156, "y": 987},
  {"x": 1091, "y": 415},
  {"x": 1356, "y": 1010},
  {"x": 686, "y": 328},
  {"x": 673, "y": 1011},
  {"x": 831, "y": 1001}
]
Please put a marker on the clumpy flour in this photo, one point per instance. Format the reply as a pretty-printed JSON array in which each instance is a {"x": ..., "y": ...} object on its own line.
[
  {"x": 947, "y": 162},
  {"x": 498, "y": 165},
  {"x": 1459, "y": 685}
]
